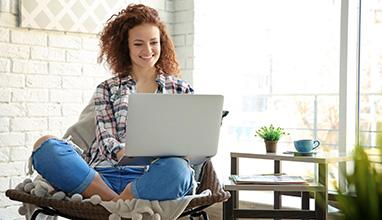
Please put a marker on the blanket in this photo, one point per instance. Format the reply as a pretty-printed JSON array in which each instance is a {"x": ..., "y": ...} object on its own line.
[
  {"x": 136, "y": 209},
  {"x": 139, "y": 209}
]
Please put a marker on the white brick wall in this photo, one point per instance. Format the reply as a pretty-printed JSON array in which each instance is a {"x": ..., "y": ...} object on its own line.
[
  {"x": 64, "y": 41},
  {"x": 66, "y": 69},
  {"x": 9, "y": 50},
  {"x": 8, "y": 80},
  {"x": 30, "y": 95},
  {"x": 47, "y": 77},
  {"x": 4, "y": 35},
  {"x": 23, "y": 36},
  {"x": 29, "y": 66},
  {"x": 4, "y": 65},
  {"x": 183, "y": 29},
  {"x": 47, "y": 53},
  {"x": 5, "y": 95}
]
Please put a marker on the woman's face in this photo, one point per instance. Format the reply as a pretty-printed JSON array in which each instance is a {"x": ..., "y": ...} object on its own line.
[{"x": 144, "y": 45}]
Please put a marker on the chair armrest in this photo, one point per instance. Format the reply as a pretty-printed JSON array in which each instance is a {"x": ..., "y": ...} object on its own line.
[{"x": 209, "y": 180}]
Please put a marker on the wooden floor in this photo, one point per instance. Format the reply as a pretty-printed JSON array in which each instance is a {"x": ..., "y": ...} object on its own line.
[{"x": 215, "y": 211}]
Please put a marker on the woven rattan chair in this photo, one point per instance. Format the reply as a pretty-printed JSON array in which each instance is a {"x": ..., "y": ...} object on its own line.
[{"x": 86, "y": 210}]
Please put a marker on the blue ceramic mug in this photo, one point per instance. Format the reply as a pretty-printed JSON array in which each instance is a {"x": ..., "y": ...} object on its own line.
[{"x": 306, "y": 146}]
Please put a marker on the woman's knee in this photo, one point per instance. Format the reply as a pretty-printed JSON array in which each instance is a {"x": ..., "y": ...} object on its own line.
[
  {"x": 166, "y": 179},
  {"x": 41, "y": 140},
  {"x": 176, "y": 163},
  {"x": 177, "y": 172},
  {"x": 61, "y": 165},
  {"x": 45, "y": 149}
]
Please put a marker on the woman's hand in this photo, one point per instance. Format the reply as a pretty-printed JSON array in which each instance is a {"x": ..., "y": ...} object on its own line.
[{"x": 120, "y": 154}]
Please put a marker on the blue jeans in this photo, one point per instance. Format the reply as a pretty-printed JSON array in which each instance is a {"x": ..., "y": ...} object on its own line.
[{"x": 165, "y": 179}]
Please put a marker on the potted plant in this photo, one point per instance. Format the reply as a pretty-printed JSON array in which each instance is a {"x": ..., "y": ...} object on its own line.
[
  {"x": 365, "y": 201},
  {"x": 271, "y": 136}
]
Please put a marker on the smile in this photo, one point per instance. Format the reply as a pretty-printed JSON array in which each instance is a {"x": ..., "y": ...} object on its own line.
[{"x": 147, "y": 57}]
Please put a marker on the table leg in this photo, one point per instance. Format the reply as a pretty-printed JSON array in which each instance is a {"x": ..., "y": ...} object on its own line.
[
  {"x": 233, "y": 202},
  {"x": 321, "y": 198},
  {"x": 234, "y": 165},
  {"x": 235, "y": 171},
  {"x": 277, "y": 195},
  {"x": 228, "y": 206},
  {"x": 305, "y": 200}
]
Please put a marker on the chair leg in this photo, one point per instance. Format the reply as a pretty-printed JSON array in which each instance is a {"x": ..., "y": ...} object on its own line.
[
  {"x": 43, "y": 211},
  {"x": 205, "y": 215},
  {"x": 202, "y": 214}
]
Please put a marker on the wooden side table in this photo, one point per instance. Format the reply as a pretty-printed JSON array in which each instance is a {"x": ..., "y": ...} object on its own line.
[{"x": 319, "y": 188}]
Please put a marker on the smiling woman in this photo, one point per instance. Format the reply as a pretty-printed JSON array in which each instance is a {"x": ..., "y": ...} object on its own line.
[
  {"x": 126, "y": 32},
  {"x": 141, "y": 55},
  {"x": 144, "y": 45}
]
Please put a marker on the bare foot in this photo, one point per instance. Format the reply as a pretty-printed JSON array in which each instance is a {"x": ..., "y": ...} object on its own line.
[
  {"x": 127, "y": 193},
  {"x": 98, "y": 186}
]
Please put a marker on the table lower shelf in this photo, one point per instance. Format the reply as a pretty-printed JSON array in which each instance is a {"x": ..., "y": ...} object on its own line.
[
  {"x": 309, "y": 187},
  {"x": 274, "y": 213}
]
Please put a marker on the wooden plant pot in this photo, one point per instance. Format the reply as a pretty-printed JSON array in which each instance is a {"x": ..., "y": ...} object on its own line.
[{"x": 271, "y": 146}]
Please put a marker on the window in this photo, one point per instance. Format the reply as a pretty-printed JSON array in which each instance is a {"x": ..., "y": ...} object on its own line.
[
  {"x": 371, "y": 73},
  {"x": 275, "y": 62},
  {"x": 283, "y": 62}
]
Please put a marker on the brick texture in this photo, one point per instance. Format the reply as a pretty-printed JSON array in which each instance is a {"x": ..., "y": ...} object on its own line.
[{"x": 4, "y": 35}]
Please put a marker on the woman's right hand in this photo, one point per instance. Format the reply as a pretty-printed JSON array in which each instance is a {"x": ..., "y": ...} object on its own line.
[{"x": 120, "y": 154}]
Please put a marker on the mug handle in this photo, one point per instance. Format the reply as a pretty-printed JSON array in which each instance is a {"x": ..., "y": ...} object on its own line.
[{"x": 316, "y": 143}]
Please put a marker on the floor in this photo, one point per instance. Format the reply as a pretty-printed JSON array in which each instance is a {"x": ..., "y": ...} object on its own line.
[{"x": 215, "y": 211}]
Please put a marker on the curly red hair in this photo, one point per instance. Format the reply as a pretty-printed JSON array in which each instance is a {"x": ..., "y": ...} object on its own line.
[{"x": 114, "y": 40}]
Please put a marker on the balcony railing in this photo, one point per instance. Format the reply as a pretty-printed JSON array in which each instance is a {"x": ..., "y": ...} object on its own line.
[{"x": 313, "y": 116}]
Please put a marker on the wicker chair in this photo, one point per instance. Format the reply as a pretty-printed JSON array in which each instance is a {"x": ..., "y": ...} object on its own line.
[{"x": 86, "y": 210}]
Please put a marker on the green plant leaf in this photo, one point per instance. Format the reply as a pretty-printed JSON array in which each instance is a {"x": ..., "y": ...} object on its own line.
[
  {"x": 270, "y": 133},
  {"x": 366, "y": 181}
]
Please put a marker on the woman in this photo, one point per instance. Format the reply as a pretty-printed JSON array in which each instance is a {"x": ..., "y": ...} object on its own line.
[{"x": 141, "y": 55}]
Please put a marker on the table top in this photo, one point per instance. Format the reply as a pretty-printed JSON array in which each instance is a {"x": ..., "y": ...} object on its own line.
[{"x": 319, "y": 157}]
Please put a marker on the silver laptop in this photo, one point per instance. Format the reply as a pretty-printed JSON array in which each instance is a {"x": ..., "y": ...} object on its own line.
[{"x": 162, "y": 125}]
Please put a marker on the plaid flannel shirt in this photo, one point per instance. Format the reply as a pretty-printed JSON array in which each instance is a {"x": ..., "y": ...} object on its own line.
[{"x": 111, "y": 101}]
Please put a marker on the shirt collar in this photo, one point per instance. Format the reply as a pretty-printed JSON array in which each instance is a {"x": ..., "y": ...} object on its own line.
[
  {"x": 160, "y": 80},
  {"x": 129, "y": 80}
]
